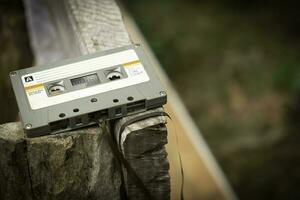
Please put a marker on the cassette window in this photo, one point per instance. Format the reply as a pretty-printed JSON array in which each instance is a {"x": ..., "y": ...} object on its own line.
[{"x": 85, "y": 81}]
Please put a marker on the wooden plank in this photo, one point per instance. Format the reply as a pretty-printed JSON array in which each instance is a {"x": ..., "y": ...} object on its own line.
[
  {"x": 51, "y": 34},
  {"x": 80, "y": 164},
  {"x": 143, "y": 145},
  {"x": 203, "y": 177}
]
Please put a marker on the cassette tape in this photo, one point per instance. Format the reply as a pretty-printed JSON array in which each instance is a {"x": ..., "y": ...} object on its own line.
[{"x": 76, "y": 93}]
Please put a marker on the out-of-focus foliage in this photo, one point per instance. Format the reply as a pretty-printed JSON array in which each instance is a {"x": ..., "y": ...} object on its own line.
[
  {"x": 236, "y": 65},
  {"x": 15, "y": 53}
]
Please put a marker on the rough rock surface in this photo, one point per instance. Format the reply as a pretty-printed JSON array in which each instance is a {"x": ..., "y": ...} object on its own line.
[{"x": 73, "y": 165}]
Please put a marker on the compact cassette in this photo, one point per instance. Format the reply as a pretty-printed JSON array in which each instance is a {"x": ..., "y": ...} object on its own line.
[{"x": 76, "y": 93}]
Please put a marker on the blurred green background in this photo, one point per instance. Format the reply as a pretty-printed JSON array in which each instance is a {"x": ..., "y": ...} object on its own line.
[
  {"x": 15, "y": 53},
  {"x": 236, "y": 66}
]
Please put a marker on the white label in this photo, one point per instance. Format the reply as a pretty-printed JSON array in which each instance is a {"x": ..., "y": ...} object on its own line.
[{"x": 36, "y": 92}]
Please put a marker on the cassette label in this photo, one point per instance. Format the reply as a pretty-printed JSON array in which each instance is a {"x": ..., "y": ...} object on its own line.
[{"x": 36, "y": 91}]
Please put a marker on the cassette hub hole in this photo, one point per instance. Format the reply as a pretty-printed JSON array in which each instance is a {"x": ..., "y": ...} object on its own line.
[
  {"x": 116, "y": 100},
  {"x": 75, "y": 110},
  {"x": 56, "y": 88},
  {"x": 62, "y": 115},
  {"x": 114, "y": 74}
]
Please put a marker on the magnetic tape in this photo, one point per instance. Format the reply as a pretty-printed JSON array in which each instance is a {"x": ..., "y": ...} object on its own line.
[{"x": 76, "y": 93}]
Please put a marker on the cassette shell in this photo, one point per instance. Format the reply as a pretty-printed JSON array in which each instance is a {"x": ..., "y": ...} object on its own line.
[{"x": 43, "y": 119}]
